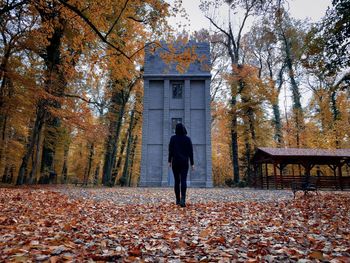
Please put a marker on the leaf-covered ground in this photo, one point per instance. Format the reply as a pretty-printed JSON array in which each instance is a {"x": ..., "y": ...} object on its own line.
[
  {"x": 157, "y": 195},
  {"x": 143, "y": 225}
]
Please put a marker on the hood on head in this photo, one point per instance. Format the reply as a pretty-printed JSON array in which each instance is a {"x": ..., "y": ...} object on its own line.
[{"x": 180, "y": 129}]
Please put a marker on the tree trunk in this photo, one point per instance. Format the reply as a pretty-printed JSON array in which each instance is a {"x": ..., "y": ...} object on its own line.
[
  {"x": 124, "y": 178},
  {"x": 297, "y": 108},
  {"x": 4, "y": 75},
  {"x": 97, "y": 171},
  {"x": 3, "y": 143},
  {"x": 247, "y": 145},
  {"x": 234, "y": 140},
  {"x": 132, "y": 157},
  {"x": 35, "y": 161},
  {"x": 250, "y": 114},
  {"x": 234, "y": 56},
  {"x": 49, "y": 146},
  {"x": 278, "y": 125},
  {"x": 12, "y": 169},
  {"x": 64, "y": 174},
  {"x": 278, "y": 137},
  {"x": 39, "y": 121},
  {"x": 91, "y": 154},
  {"x": 336, "y": 117},
  {"x": 55, "y": 84},
  {"x": 6, "y": 90},
  {"x": 112, "y": 145},
  {"x": 5, "y": 174},
  {"x": 118, "y": 163},
  {"x": 249, "y": 135},
  {"x": 116, "y": 111}
]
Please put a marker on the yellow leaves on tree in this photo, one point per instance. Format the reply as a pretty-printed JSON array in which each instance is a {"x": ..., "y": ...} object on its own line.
[{"x": 222, "y": 167}]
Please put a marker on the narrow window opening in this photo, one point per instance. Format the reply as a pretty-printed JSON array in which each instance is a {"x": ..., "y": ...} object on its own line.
[{"x": 177, "y": 90}]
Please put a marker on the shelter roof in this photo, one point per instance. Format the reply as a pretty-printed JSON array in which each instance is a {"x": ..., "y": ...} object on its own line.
[
  {"x": 301, "y": 155},
  {"x": 305, "y": 152}
]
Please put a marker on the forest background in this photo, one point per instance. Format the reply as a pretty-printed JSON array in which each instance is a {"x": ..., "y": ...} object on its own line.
[{"x": 71, "y": 84}]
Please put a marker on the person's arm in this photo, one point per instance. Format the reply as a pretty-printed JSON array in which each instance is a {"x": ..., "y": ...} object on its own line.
[
  {"x": 191, "y": 152},
  {"x": 170, "y": 155}
]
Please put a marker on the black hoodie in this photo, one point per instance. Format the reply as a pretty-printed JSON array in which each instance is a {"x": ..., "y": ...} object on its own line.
[{"x": 180, "y": 147}]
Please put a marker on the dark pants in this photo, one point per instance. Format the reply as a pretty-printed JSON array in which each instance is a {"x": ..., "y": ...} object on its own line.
[{"x": 180, "y": 175}]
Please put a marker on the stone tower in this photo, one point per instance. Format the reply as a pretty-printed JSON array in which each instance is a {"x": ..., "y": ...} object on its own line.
[{"x": 171, "y": 97}]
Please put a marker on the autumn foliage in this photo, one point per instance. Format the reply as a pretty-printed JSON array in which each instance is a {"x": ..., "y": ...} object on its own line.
[
  {"x": 281, "y": 87},
  {"x": 71, "y": 89}
]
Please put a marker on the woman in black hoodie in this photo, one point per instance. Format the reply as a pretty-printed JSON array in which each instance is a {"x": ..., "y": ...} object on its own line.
[{"x": 180, "y": 152}]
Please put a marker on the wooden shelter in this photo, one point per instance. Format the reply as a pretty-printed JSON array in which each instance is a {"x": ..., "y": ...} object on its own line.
[{"x": 270, "y": 167}]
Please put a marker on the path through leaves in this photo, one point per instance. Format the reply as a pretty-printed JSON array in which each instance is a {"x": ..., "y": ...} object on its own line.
[{"x": 46, "y": 225}]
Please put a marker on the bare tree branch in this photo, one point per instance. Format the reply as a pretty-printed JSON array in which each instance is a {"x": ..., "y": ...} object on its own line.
[
  {"x": 280, "y": 77},
  {"x": 345, "y": 75},
  {"x": 215, "y": 90},
  {"x": 232, "y": 39},
  {"x": 137, "y": 19},
  {"x": 102, "y": 37},
  {"x": 8, "y": 8},
  {"x": 246, "y": 15},
  {"x": 116, "y": 21},
  {"x": 219, "y": 28},
  {"x": 93, "y": 27},
  {"x": 83, "y": 99},
  {"x": 142, "y": 48}
]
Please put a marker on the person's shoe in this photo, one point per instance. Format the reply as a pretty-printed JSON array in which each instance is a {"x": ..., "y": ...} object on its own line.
[
  {"x": 177, "y": 201},
  {"x": 183, "y": 202}
]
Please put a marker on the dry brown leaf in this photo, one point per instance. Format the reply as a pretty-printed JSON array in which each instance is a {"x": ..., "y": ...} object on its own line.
[{"x": 316, "y": 255}]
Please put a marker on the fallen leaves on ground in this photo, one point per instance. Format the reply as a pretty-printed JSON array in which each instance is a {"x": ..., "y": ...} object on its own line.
[
  {"x": 140, "y": 195},
  {"x": 43, "y": 225}
]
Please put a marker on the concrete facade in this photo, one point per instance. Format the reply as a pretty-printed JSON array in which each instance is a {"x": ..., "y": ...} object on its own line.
[{"x": 171, "y": 97}]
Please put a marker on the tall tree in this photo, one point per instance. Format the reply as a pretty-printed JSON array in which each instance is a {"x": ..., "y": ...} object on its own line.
[
  {"x": 336, "y": 25},
  {"x": 62, "y": 30},
  {"x": 262, "y": 51},
  {"x": 120, "y": 95},
  {"x": 326, "y": 86},
  {"x": 54, "y": 19},
  {"x": 290, "y": 33},
  {"x": 232, "y": 42}
]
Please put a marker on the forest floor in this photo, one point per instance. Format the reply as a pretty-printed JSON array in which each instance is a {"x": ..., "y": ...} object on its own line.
[{"x": 71, "y": 224}]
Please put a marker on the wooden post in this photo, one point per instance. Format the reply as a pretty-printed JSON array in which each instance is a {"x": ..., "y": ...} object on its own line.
[
  {"x": 340, "y": 176},
  {"x": 281, "y": 178},
  {"x": 261, "y": 176},
  {"x": 275, "y": 174},
  {"x": 255, "y": 173},
  {"x": 267, "y": 176},
  {"x": 334, "y": 168},
  {"x": 308, "y": 168}
]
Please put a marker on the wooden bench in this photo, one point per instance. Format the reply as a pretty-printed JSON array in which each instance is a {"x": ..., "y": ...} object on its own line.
[
  {"x": 307, "y": 184},
  {"x": 77, "y": 182}
]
